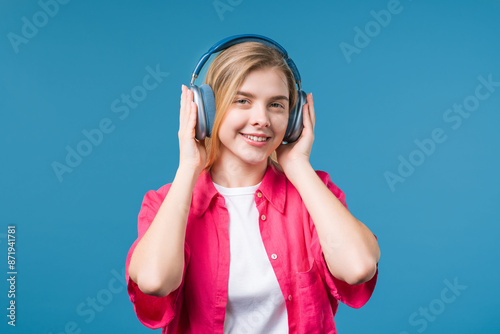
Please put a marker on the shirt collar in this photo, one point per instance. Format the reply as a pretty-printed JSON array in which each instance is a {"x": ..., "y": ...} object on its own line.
[
  {"x": 273, "y": 187},
  {"x": 203, "y": 193}
]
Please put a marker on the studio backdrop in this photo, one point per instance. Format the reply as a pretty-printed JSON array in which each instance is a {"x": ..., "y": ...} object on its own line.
[{"x": 407, "y": 102}]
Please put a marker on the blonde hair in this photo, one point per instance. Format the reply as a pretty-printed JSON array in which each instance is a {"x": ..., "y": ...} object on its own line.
[{"x": 227, "y": 73}]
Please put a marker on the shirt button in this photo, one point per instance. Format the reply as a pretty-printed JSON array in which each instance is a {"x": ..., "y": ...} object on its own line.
[
  {"x": 263, "y": 217},
  {"x": 289, "y": 297},
  {"x": 274, "y": 256},
  {"x": 259, "y": 194}
]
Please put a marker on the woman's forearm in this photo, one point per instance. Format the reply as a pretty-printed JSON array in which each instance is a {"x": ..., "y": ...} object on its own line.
[
  {"x": 351, "y": 250},
  {"x": 157, "y": 262}
]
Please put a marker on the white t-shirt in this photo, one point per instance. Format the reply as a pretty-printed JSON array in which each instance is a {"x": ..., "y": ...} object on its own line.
[{"x": 255, "y": 303}]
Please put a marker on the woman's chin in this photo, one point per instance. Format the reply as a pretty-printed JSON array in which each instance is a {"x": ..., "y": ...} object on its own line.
[
  {"x": 243, "y": 156},
  {"x": 253, "y": 160}
]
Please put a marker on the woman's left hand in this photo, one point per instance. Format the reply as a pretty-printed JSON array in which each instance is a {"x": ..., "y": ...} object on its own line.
[{"x": 298, "y": 152}]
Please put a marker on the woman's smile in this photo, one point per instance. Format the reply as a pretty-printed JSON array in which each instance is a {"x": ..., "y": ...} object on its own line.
[{"x": 255, "y": 139}]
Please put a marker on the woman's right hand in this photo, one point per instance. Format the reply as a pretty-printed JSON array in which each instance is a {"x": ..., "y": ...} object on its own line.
[{"x": 193, "y": 154}]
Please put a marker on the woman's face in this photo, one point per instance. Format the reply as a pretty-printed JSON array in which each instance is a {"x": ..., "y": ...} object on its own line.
[{"x": 256, "y": 121}]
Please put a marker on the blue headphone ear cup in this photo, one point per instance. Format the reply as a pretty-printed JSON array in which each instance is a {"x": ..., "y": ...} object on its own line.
[
  {"x": 208, "y": 98},
  {"x": 295, "y": 119},
  {"x": 203, "y": 97},
  {"x": 201, "y": 124}
]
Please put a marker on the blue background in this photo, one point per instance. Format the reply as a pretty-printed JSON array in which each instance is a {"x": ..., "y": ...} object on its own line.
[{"x": 72, "y": 234}]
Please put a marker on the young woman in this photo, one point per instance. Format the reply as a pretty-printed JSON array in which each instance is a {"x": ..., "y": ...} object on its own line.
[{"x": 248, "y": 238}]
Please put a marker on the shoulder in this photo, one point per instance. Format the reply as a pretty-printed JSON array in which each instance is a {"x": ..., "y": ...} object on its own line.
[
  {"x": 325, "y": 177},
  {"x": 202, "y": 193},
  {"x": 327, "y": 180},
  {"x": 161, "y": 193},
  {"x": 153, "y": 196}
]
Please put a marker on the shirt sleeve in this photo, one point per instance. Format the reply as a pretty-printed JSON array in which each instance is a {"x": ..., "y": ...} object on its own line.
[
  {"x": 153, "y": 312},
  {"x": 352, "y": 295}
]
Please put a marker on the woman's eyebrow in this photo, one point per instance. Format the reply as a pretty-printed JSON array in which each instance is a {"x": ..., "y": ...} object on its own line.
[{"x": 277, "y": 97}]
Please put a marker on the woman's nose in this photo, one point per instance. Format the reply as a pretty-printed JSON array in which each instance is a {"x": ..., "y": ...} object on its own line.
[{"x": 260, "y": 116}]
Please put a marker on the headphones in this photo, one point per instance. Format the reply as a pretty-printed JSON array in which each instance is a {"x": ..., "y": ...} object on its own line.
[{"x": 204, "y": 95}]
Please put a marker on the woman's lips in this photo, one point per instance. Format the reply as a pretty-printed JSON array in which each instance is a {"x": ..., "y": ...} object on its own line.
[{"x": 255, "y": 140}]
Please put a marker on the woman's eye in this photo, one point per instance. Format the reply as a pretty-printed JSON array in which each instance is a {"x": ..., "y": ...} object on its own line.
[
  {"x": 242, "y": 101},
  {"x": 277, "y": 105}
]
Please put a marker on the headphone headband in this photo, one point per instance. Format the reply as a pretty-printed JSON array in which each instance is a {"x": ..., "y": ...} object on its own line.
[
  {"x": 204, "y": 99},
  {"x": 237, "y": 39}
]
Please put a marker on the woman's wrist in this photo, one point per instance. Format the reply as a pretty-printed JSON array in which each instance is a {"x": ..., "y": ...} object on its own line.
[
  {"x": 294, "y": 171},
  {"x": 188, "y": 173}
]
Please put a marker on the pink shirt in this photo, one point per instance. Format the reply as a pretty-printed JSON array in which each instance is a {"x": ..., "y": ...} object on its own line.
[{"x": 292, "y": 245}]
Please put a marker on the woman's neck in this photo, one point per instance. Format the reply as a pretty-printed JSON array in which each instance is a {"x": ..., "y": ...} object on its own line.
[{"x": 230, "y": 175}]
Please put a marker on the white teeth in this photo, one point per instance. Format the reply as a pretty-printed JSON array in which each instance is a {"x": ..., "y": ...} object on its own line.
[{"x": 254, "y": 138}]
